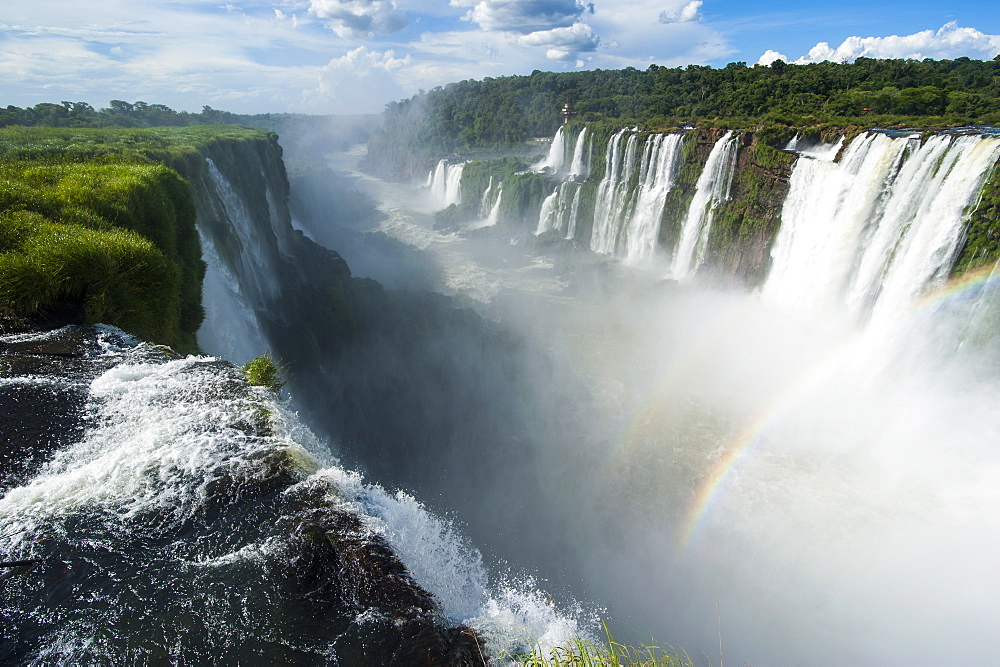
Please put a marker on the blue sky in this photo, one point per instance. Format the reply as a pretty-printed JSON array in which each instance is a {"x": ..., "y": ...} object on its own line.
[{"x": 353, "y": 56}]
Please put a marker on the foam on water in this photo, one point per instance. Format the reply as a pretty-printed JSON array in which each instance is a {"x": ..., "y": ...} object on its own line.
[{"x": 162, "y": 436}]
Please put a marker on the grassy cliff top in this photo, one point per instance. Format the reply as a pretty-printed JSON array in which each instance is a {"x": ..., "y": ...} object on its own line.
[
  {"x": 96, "y": 227},
  {"x": 159, "y": 144}
]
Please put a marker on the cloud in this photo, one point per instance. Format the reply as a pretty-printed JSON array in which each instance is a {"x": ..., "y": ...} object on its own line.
[
  {"x": 685, "y": 14},
  {"x": 950, "y": 41},
  {"x": 360, "y": 81},
  {"x": 770, "y": 56},
  {"x": 524, "y": 16},
  {"x": 564, "y": 43},
  {"x": 357, "y": 19}
]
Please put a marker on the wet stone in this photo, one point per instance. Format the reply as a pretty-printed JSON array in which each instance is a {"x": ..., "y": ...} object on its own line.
[{"x": 45, "y": 378}]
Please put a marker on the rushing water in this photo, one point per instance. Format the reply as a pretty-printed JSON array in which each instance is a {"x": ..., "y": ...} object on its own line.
[
  {"x": 796, "y": 470},
  {"x": 819, "y": 482},
  {"x": 712, "y": 189},
  {"x": 177, "y": 529},
  {"x": 630, "y": 200}
]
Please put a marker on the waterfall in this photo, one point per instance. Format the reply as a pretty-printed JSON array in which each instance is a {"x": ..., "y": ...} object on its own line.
[
  {"x": 445, "y": 183},
  {"x": 187, "y": 510},
  {"x": 873, "y": 231},
  {"x": 559, "y": 209},
  {"x": 489, "y": 205},
  {"x": 612, "y": 193},
  {"x": 238, "y": 277},
  {"x": 580, "y": 166},
  {"x": 556, "y": 156},
  {"x": 494, "y": 217},
  {"x": 574, "y": 212},
  {"x": 712, "y": 188},
  {"x": 630, "y": 203}
]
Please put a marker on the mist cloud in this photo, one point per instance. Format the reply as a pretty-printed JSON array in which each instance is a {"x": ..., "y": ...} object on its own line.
[
  {"x": 950, "y": 41},
  {"x": 357, "y": 19}
]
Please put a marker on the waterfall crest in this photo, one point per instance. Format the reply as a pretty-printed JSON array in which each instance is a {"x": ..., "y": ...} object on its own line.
[
  {"x": 873, "y": 231},
  {"x": 630, "y": 201}
]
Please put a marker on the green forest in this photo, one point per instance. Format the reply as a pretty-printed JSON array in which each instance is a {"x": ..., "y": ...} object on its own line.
[{"x": 470, "y": 116}]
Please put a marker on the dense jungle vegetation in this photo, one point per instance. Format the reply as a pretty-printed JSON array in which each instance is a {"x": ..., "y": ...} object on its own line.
[
  {"x": 125, "y": 114},
  {"x": 470, "y": 116}
]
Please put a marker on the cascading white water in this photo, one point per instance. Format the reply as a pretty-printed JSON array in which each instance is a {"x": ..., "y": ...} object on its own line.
[
  {"x": 556, "y": 156},
  {"x": 630, "y": 204},
  {"x": 489, "y": 206},
  {"x": 169, "y": 444},
  {"x": 580, "y": 165},
  {"x": 494, "y": 216},
  {"x": 445, "y": 183},
  {"x": 873, "y": 231},
  {"x": 559, "y": 210},
  {"x": 712, "y": 189},
  {"x": 237, "y": 275}
]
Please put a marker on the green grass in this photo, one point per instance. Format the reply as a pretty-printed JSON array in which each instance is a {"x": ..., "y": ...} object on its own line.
[
  {"x": 101, "y": 242},
  {"x": 98, "y": 225},
  {"x": 263, "y": 372},
  {"x": 587, "y": 653}
]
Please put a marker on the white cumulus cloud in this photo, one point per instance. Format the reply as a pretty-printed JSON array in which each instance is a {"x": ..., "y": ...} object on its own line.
[
  {"x": 524, "y": 16},
  {"x": 950, "y": 41},
  {"x": 685, "y": 14},
  {"x": 770, "y": 56},
  {"x": 564, "y": 43},
  {"x": 356, "y": 19}
]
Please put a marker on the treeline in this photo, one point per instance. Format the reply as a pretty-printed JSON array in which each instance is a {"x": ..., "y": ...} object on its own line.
[
  {"x": 128, "y": 114},
  {"x": 473, "y": 115}
]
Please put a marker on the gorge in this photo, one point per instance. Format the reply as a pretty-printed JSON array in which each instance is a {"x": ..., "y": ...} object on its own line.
[{"x": 696, "y": 378}]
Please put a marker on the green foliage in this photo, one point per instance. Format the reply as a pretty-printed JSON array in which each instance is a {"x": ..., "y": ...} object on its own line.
[
  {"x": 263, "y": 372},
  {"x": 130, "y": 114},
  {"x": 982, "y": 240},
  {"x": 112, "y": 276},
  {"x": 587, "y": 653},
  {"x": 523, "y": 194},
  {"x": 507, "y": 111},
  {"x": 82, "y": 190}
]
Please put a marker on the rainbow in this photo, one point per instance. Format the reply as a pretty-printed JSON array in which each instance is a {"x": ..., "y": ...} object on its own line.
[{"x": 743, "y": 441}]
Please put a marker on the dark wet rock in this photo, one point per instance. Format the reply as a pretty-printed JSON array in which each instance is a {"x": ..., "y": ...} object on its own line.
[
  {"x": 355, "y": 582},
  {"x": 323, "y": 587},
  {"x": 44, "y": 380}
]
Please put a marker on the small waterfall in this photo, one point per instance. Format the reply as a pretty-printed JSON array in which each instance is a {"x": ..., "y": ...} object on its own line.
[
  {"x": 712, "y": 189},
  {"x": 580, "y": 166},
  {"x": 547, "y": 215},
  {"x": 556, "y": 156},
  {"x": 871, "y": 232},
  {"x": 445, "y": 183},
  {"x": 574, "y": 212},
  {"x": 629, "y": 202},
  {"x": 612, "y": 193},
  {"x": 238, "y": 281},
  {"x": 559, "y": 209},
  {"x": 489, "y": 205}
]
